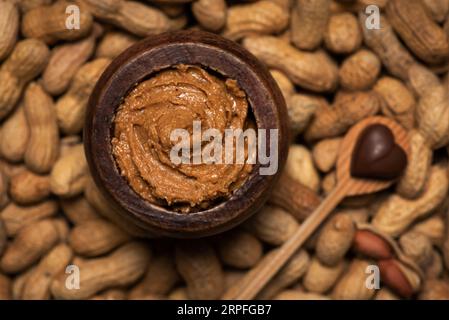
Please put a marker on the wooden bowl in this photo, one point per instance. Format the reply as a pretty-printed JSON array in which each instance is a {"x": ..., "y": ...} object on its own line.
[{"x": 138, "y": 63}]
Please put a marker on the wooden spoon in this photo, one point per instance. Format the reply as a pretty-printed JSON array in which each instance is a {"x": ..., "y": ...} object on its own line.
[{"x": 347, "y": 185}]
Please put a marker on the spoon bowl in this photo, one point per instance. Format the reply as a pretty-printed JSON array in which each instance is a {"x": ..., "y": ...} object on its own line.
[{"x": 361, "y": 186}]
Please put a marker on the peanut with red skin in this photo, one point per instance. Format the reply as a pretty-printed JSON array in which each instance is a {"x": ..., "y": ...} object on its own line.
[
  {"x": 392, "y": 275},
  {"x": 371, "y": 245}
]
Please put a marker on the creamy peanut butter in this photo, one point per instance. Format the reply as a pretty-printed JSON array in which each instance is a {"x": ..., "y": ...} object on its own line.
[{"x": 173, "y": 99}]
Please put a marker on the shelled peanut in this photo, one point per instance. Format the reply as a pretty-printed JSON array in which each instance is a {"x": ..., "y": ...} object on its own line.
[{"x": 333, "y": 71}]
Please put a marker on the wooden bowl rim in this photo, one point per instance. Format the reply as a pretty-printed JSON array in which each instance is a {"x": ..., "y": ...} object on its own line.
[{"x": 154, "y": 54}]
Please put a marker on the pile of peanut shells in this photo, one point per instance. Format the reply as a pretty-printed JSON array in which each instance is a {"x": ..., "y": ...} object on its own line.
[{"x": 334, "y": 65}]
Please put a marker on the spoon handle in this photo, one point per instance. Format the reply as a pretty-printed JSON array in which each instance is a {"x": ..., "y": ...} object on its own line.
[{"x": 258, "y": 277}]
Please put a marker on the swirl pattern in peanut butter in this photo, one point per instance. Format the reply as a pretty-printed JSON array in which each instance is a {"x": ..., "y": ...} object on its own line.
[{"x": 173, "y": 99}]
